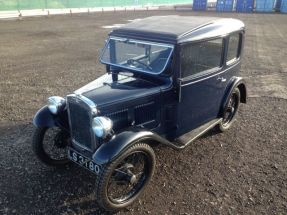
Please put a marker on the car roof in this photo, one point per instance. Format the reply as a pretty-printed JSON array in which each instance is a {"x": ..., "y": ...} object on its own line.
[{"x": 178, "y": 29}]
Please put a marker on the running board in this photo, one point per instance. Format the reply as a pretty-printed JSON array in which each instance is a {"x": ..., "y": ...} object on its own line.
[{"x": 186, "y": 139}]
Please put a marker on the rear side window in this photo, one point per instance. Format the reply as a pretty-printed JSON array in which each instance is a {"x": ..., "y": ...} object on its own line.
[
  {"x": 196, "y": 58},
  {"x": 233, "y": 48}
]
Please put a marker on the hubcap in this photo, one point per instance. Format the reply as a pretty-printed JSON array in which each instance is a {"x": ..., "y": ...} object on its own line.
[{"x": 61, "y": 139}]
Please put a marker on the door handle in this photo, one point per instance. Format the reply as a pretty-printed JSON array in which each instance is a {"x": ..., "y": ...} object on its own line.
[{"x": 221, "y": 79}]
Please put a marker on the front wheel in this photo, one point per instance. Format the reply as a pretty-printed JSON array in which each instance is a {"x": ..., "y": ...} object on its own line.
[
  {"x": 124, "y": 179},
  {"x": 230, "y": 110},
  {"x": 50, "y": 146}
]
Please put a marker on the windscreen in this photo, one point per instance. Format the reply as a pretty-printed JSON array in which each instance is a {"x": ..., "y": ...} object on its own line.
[{"x": 137, "y": 55}]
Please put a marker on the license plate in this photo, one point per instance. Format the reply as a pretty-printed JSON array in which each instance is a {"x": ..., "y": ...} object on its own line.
[{"x": 83, "y": 161}]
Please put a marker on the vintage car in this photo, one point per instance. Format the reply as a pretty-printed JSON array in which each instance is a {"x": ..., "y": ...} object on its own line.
[{"x": 169, "y": 79}]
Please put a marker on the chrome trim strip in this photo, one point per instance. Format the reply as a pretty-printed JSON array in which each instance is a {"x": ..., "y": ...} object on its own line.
[{"x": 86, "y": 100}]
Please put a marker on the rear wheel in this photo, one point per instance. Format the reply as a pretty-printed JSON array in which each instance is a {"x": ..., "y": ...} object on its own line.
[
  {"x": 230, "y": 110},
  {"x": 50, "y": 145},
  {"x": 124, "y": 179}
]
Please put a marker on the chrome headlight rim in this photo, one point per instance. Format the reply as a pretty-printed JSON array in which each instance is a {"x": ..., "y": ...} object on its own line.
[
  {"x": 55, "y": 104},
  {"x": 102, "y": 126}
]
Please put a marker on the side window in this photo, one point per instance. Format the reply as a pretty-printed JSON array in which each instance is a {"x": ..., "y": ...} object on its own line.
[
  {"x": 233, "y": 48},
  {"x": 199, "y": 57}
]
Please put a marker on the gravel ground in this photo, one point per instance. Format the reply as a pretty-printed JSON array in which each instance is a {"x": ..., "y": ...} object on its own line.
[{"x": 242, "y": 171}]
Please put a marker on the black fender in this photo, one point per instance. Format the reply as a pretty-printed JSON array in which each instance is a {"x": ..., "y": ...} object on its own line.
[
  {"x": 109, "y": 151},
  {"x": 44, "y": 118},
  {"x": 235, "y": 82}
]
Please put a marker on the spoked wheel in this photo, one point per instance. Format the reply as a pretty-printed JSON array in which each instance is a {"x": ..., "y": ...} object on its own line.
[
  {"x": 123, "y": 180},
  {"x": 230, "y": 110},
  {"x": 49, "y": 145}
]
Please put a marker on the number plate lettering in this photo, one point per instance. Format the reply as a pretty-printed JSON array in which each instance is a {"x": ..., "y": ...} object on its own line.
[
  {"x": 75, "y": 157},
  {"x": 84, "y": 162}
]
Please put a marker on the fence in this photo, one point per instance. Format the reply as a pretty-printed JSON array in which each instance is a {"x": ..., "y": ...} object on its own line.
[{"x": 59, "y": 4}]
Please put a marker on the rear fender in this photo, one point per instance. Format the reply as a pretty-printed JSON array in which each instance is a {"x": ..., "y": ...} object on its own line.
[{"x": 235, "y": 82}]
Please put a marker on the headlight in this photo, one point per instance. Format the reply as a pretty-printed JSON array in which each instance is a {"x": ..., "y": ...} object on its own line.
[
  {"x": 56, "y": 103},
  {"x": 102, "y": 126}
]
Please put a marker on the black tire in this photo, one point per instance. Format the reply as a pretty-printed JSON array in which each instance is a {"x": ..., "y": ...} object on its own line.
[
  {"x": 38, "y": 148},
  {"x": 226, "y": 123},
  {"x": 103, "y": 180}
]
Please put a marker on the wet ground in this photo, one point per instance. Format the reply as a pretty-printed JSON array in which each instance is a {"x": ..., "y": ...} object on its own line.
[{"x": 242, "y": 171}]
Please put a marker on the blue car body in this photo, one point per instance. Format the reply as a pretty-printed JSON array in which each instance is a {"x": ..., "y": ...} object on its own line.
[{"x": 161, "y": 107}]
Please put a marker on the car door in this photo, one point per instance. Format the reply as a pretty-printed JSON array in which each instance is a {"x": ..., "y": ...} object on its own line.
[{"x": 202, "y": 83}]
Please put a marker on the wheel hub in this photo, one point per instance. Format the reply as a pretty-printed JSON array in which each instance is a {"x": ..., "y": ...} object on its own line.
[
  {"x": 133, "y": 179},
  {"x": 61, "y": 139}
]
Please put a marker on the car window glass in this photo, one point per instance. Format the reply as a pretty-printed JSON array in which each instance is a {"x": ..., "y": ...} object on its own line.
[
  {"x": 141, "y": 56},
  {"x": 200, "y": 57},
  {"x": 233, "y": 45}
]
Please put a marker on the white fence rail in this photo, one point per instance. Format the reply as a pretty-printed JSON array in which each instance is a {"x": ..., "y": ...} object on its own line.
[{"x": 48, "y": 12}]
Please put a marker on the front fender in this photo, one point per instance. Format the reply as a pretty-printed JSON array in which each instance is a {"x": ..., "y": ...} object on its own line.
[
  {"x": 107, "y": 152},
  {"x": 44, "y": 118}
]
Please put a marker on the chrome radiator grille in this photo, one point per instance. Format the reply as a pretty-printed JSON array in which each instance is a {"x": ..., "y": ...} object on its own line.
[{"x": 80, "y": 122}]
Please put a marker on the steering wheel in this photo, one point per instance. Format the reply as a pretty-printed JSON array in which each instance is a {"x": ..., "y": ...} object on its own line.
[{"x": 132, "y": 61}]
